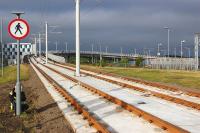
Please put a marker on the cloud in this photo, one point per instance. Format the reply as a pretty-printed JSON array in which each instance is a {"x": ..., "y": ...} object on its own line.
[{"x": 119, "y": 23}]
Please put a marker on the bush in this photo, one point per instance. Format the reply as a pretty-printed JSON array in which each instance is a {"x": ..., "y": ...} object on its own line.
[
  {"x": 124, "y": 62},
  {"x": 138, "y": 61}
]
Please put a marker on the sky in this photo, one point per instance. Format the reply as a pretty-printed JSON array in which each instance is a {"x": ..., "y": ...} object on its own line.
[{"x": 126, "y": 24}]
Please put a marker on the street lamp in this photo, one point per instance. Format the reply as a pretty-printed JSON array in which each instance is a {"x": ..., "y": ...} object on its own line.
[
  {"x": 168, "y": 30},
  {"x": 159, "y": 44},
  {"x": 183, "y": 41}
]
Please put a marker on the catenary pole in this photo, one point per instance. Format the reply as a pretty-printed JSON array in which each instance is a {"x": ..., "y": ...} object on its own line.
[
  {"x": 78, "y": 38},
  {"x": 35, "y": 46},
  {"x": 92, "y": 53},
  {"x": 39, "y": 45},
  {"x": 168, "y": 31},
  {"x": 46, "y": 34},
  {"x": 56, "y": 46},
  {"x": 66, "y": 47}
]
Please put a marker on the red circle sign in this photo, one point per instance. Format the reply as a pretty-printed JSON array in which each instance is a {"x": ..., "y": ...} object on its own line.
[{"x": 18, "y": 29}]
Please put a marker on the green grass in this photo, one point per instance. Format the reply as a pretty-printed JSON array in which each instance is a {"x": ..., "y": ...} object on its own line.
[
  {"x": 186, "y": 79},
  {"x": 10, "y": 74}
]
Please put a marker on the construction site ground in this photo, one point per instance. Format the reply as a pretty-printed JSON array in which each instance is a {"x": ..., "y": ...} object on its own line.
[{"x": 42, "y": 116}]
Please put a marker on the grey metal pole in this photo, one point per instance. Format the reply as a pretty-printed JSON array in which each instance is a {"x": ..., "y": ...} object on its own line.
[
  {"x": 39, "y": 45},
  {"x": 35, "y": 46},
  {"x": 78, "y": 38},
  {"x": 100, "y": 55},
  {"x": 135, "y": 51},
  {"x": 56, "y": 46},
  {"x": 46, "y": 25},
  {"x": 181, "y": 49},
  {"x": 196, "y": 50},
  {"x": 92, "y": 54},
  {"x": 158, "y": 54},
  {"x": 2, "y": 47},
  {"x": 66, "y": 47},
  {"x": 121, "y": 51},
  {"x": 175, "y": 52},
  {"x": 189, "y": 52},
  {"x": 18, "y": 85},
  {"x": 168, "y": 42},
  {"x": 168, "y": 30},
  {"x": 106, "y": 49}
]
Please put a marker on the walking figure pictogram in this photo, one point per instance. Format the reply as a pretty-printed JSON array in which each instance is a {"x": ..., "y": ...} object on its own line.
[{"x": 18, "y": 28}]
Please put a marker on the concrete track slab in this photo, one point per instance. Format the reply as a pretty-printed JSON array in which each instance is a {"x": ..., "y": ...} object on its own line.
[{"x": 181, "y": 116}]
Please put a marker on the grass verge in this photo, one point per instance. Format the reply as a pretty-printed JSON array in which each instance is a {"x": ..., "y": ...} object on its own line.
[
  {"x": 185, "y": 79},
  {"x": 11, "y": 71}
]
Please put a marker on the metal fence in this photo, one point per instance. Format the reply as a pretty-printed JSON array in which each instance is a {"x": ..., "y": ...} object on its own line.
[{"x": 172, "y": 63}]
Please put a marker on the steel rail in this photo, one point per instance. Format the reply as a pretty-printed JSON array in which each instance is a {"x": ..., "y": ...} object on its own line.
[
  {"x": 145, "y": 115},
  {"x": 149, "y": 83},
  {"x": 92, "y": 118},
  {"x": 153, "y": 84},
  {"x": 153, "y": 93}
]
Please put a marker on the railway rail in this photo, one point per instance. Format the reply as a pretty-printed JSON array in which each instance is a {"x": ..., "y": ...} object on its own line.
[
  {"x": 153, "y": 84},
  {"x": 92, "y": 119},
  {"x": 145, "y": 115},
  {"x": 153, "y": 93}
]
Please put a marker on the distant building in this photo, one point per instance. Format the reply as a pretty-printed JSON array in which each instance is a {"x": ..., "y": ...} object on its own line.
[{"x": 10, "y": 51}]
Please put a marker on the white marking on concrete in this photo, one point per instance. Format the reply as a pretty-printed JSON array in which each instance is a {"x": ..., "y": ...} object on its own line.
[
  {"x": 116, "y": 117},
  {"x": 179, "y": 115},
  {"x": 179, "y": 94},
  {"x": 79, "y": 125}
]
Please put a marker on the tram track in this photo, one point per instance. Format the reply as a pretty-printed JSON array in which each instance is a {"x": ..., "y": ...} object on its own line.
[
  {"x": 176, "y": 100},
  {"x": 145, "y": 115},
  {"x": 92, "y": 119}
]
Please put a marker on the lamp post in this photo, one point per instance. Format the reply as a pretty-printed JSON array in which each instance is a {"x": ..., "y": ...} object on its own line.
[
  {"x": 183, "y": 41},
  {"x": 168, "y": 31},
  {"x": 159, "y": 44}
]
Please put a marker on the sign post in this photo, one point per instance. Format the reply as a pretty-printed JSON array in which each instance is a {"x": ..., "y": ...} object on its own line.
[{"x": 18, "y": 29}]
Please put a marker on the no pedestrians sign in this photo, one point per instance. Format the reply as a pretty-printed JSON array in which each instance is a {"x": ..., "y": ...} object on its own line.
[{"x": 18, "y": 29}]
